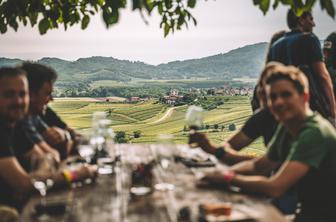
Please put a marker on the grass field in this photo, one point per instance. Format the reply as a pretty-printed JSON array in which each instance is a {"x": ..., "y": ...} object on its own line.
[{"x": 145, "y": 116}]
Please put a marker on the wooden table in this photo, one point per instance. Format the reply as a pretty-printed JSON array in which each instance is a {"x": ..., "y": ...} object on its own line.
[{"x": 109, "y": 199}]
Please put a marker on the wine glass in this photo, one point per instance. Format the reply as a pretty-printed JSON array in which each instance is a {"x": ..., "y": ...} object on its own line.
[
  {"x": 164, "y": 152},
  {"x": 96, "y": 117},
  {"x": 42, "y": 169},
  {"x": 194, "y": 117},
  {"x": 103, "y": 141},
  {"x": 85, "y": 149},
  {"x": 194, "y": 120}
]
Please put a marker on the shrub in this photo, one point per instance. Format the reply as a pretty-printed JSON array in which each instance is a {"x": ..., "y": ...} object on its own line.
[
  {"x": 137, "y": 134},
  {"x": 232, "y": 127}
]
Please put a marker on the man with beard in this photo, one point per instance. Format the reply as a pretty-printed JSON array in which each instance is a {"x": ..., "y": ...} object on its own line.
[
  {"x": 41, "y": 80},
  {"x": 15, "y": 182}
]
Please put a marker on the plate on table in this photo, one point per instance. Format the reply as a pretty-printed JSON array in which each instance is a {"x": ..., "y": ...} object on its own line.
[
  {"x": 221, "y": 212},
  {"x": 196, "y": 158}
]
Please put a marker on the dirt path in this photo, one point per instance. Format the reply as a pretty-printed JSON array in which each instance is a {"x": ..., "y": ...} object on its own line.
[{"x": 165, "y": 116}]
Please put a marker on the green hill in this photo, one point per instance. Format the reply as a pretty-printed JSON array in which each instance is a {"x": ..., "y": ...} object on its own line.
[{"x": 246, "y": 61}]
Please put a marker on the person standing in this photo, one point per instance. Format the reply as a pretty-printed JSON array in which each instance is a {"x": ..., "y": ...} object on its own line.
[{"x": 301, "y": 48}]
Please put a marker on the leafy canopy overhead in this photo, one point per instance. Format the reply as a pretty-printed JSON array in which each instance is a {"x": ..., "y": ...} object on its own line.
[{"x": 50, "y": 14}]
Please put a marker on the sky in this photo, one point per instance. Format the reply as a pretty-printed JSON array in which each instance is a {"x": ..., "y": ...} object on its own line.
[{"x": 223, "y": 25}]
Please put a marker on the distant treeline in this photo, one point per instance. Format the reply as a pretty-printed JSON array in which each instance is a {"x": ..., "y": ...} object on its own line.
[
  {"x": 145, "y": 89},
  {"x": 125, "y": 92}
]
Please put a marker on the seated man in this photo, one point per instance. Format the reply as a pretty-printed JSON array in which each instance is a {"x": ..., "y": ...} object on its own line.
[
  {"x": 41, "y": 80},
  {"x": 260, "y": 124},
  {"x": 304, "y": 147},
  {"x": 15, "y": 182},
  {"x": 51, "y": 118}
]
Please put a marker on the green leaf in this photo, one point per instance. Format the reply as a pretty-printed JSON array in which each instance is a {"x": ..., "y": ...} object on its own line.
[
  {"x": 256, "y": 2},
  {"x": 110, "y": 17},
  {"x": 328, "y": 5},
  {"x": 43, "y": 26},
  {"x": 85, "y": 21},
  {"x": 33, "y": 18},
  {"x": 264, "y": 5},
  {"x": 73, "y": 19},
  {"x": 136, "y": 4},
  {"x": 149, "y": 4},
  {"x": 297, "y": 4},
  {"x": 3, "y": 27},
  {"x": 166, "y": 29},
  {"x": 309, "y": 4},
  {"x": 106, "y": 18},
  {"x": 194, "y": 20},
  {"x": 168, "y": 4},
  {"x": 191, "y": 3},
  {"x": 115, "y": 16},
  {"x": 24, "y": 21},
  {"x": 180, "y": 20},
  {"x": 160, "y": 8},
  {"x": 275, "y": 4}
]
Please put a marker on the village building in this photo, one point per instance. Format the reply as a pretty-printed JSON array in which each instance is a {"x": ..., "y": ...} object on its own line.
[
  {"x": 172, "y": 97},
  {"x": 135, "y": 99}
]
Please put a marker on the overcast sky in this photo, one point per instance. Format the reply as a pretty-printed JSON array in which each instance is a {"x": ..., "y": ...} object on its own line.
[{"x": 223, "y": 25}]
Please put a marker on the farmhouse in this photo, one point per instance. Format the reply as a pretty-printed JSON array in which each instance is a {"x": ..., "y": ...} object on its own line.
[
  {"x": 172, "y": 97},
  {"x": 135, "y": 99}
]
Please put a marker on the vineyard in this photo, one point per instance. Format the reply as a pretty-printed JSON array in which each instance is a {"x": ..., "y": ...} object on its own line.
[{"x": 147, "y": 118}]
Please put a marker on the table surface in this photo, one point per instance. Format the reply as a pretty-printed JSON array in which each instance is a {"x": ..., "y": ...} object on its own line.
[{"x": 109, "y": 199}]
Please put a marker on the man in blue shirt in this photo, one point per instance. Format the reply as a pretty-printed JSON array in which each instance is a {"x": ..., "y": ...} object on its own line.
[{"x": 301, "y": 48}]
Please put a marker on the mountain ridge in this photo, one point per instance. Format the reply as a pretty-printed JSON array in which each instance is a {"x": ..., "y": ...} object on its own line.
[{"x": 245, "y": 61}]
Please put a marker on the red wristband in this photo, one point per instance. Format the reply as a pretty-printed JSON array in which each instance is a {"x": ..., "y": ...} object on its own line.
[
  {"x": 74, "y": 175},
  {"x": 229, "y": 175}
]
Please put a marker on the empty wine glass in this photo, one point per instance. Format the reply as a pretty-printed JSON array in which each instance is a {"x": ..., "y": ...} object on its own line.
[
  {"x": 164, "y": 152},
  {"x": 96, "y": 117},
  {"x": 85, "y": 149},
  {"x": 194, "y": 120},
  {"x": 42, "y": 170},
  {"x": 194, "y": 117}
]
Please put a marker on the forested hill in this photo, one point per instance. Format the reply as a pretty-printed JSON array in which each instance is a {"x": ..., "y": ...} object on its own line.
[{"x": 241, "y": 62}]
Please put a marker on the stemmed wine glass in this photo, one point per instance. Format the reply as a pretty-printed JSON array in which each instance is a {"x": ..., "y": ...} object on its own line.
[
  {"x": 164, "y": 152},
  {"x": 99, "y": 123},
  {"x": 194, "y": 120},
  {"x": 85, "y": 149},
  {"x": 42, "y": 169}
]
